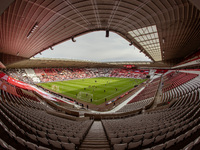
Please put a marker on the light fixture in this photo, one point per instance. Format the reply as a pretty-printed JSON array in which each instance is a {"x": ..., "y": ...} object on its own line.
[
  {"x": 40, "y": 53},
  {"x": 73, "y": 40},
  {"x": 17, "y": 53},
  {"x": 51, "y": 48},
  {"x": 107, "y": 33},
  {"x": 32, "y": 30},
  {"x": 131, "y": 43},
  {"x": 163, "y": 40}
]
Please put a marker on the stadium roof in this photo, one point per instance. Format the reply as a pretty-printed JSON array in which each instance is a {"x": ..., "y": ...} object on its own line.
[
  {"x": 47, "y": 62},
  {"x": 167, "y": 30},
  {"x": 51, "y": 62}
]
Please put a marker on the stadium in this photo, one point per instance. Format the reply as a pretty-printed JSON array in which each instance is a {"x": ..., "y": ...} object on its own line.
[{"x": 63, "y": 104}]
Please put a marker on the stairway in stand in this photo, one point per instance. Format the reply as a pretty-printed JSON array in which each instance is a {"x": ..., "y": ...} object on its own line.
[{"x": 96, "y": 138}]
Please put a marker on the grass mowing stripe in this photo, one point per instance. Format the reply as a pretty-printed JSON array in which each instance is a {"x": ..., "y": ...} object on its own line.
[{"x": 116, "y": 93}]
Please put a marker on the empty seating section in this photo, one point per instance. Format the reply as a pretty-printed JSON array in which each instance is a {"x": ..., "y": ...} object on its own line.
[
  {"x": 50, "y": 72},
  {"x": 39, "y": 72},
  {"x": 25, "y": 123},
  {"x": 130, "y": 73},
  {"x": 28, "y": 126},
  {"x": 174, "y": 79},
  {"x": 177, "y": 92},
  {"x": 31, "y": 74},
  {"x": 148, "y": 92},
  {"x": 176, "y": 127},
  {"x": 137, "y": 105},
  {"x": 21, "y": 100},
  {"x": 169, "y": 127}
]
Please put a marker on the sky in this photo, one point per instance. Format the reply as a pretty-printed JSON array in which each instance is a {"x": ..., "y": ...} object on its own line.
[{"x": 96, "y": 47}]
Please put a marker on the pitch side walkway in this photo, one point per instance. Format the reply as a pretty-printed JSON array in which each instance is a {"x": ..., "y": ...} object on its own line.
[{"x": 158, "y": 97}]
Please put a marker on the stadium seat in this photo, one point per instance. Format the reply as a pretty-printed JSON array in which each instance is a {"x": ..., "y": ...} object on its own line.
[
  {"x": 55, "y": 144},
  {"x": 160, "y": 138},
  {"x": 52, "y": 137},
  {"x": 134, "y": 145},
  {"x": 139, "y": 132},
  {"x": 115, "y": 141},
  {"x": 197, "y": 141},
  {"x": 78, "y": 135},
  {"x": 120, "y": 146},
  {"x": 20, "y": 140},
  {"x": 169, "y": 135},
  {"x": 188, "y": 133},
  {"x": 76, "y": 141},
  {"x": 180, "y": 138},
  {"x": 137, "y": 138},
  {"x": 148, "y": 130},
  {"x": 156, "y": 133},
  {"x": 189, "y": 146},
  {"x": 43, "y": 141},
  {"x": 42, "y": 148},
  {"x": 158, "y": 147},
  {"x": 3, "y": 144},
  {"x": 50, "y": 131},
  {"x": 60, "y": 133},
  {"x": 178, "y": 131},
  {"x": 41, "y": 133},
  {"x": 127, "y": 139},
  {"x": 122, "y": 134},
  {"x": 31, "y": 146},
  {"x": 170, "y": 143},
  {"x": 148, "y": 135},
  {"x": 69, "y": 134},
  {"x": 131, "y": 133},
  {"x": 32, "y": 137},
  {"x": 63, "y": 139},
  {"x": 68, "y": 146},
  {"x": 147, "y": 142},
  {"x": 164, "y": 131}
]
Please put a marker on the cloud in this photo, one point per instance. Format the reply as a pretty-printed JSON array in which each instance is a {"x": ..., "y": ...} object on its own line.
[{"x": 96, "y": 47}]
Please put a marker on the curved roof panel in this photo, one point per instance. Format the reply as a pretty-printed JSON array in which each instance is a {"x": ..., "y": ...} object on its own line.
[{"x": 163, "y": 30}]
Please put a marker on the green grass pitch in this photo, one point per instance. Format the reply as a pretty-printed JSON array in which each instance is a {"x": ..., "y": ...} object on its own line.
[{"x": 97, "y": 89}]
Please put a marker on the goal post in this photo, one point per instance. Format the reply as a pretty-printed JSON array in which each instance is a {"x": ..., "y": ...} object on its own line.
[
  {"x": 85, "y": 96},
  {"x": 55, "y": 87}
]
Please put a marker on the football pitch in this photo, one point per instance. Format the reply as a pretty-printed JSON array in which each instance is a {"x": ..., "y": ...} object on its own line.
[{"x": 93, "y": 90}]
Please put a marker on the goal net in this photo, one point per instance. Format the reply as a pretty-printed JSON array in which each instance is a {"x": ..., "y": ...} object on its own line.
[
  {"x": 85, "y": 96},
  {"x": 55, "y": 88}
]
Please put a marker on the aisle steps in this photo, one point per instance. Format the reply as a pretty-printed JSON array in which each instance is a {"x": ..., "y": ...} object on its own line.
[{"x": 96, "y": 138}]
